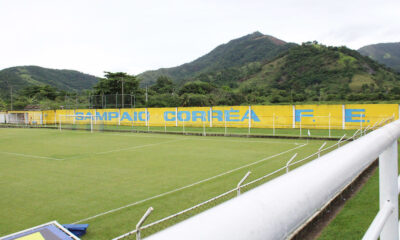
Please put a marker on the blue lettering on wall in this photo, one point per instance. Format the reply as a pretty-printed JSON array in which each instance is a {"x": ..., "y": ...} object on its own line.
[
  {"x": 88, "y": 116},
  {"x": 79, "y": 118},
  {"x": 229, "y": 115},
  {"x": 219, "y": 115},
  {"x": 167, "y": 114},
  {"x": 254, "y": 117},
  {"x": 198, "y": 115},
  {"x": 101, "y": 117},
  {"x": 126, "y": 115},
  {"x": 112, "y": 115},
  {"x": 349, "y": 114},
  {"x": 299, "y": 114},
  {"x": 187, "y": 117},
  {"x": 143, "y": 118}
]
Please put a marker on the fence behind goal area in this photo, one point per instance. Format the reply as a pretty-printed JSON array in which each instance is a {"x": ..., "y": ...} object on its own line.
[
  {"x": 290, "y": 120},
  {"x": 143, "y": 230}
]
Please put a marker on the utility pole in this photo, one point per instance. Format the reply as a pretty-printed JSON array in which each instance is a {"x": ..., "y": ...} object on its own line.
[
  {"x": 134, "y": 100},
  {"x": 11, "y": 98},
  {"x": 146, "y": 96}
]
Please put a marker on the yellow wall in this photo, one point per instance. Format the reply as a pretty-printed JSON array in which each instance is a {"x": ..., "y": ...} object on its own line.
[
  {"x": 231, "y": 116},
  {"x": 363, "y": 115},
  {"x": 156, "y": 116},
  {"x": 320, "y": 116},
  {"x": 35, "y": 117},
  {"x": 272, "y": 116},
  {"x": 350, "y": 116},
  {"x": 49, "y": 117}
]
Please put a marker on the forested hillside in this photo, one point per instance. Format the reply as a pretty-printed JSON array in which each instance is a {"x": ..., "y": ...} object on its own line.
[
  {"x": 236, "y": 53},
  {"x": 24, "y": 76},
  {"x": 385, "y": 53}
]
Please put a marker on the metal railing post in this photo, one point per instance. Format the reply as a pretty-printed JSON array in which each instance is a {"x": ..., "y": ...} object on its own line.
[
  {"x": 241, "y": 181},
  {"x": 273, "y": 124},
  {"x": 355, "y": 134},
  {"x": 373, "y": 126},
  {"x": 388, "y": 190},
  {"x": 249, "y": 119},
  {"x": 300, "y": 125},
  {"x": 329, "y": 124},
  {"x": 288, "y": 162},
  {"x": 141, "y": 221},
  {"x": 225, "y": 123},
  {"x": 320, "y": 148},
  {"x": 340, "y": 140},
  {"x": 204, "y": 128},
  {"x": 366, "y": 129},
  {"x": 183, "y": 126}
]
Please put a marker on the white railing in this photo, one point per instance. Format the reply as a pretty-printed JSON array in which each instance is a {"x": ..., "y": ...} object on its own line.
[
  {"x": 279, "y": 208},
  {"x": 240, "y": 186}
]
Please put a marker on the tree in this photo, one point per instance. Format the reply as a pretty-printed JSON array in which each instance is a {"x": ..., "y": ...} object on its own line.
[
  {"x": 3, "y": 105},
  {"x": 116, "y": 83},
  {"x": 39, "y": 92},
  {"x": 190, "y": 99},
  {"x": 196, "y": 87},
  {"x": 163, "y": 85}
]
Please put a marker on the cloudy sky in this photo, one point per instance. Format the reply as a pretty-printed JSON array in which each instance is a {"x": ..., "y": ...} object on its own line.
[{"x": 133, "y": 36}]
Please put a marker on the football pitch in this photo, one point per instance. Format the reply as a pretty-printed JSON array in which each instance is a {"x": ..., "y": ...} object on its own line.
[{"x": 108, "y": 180}]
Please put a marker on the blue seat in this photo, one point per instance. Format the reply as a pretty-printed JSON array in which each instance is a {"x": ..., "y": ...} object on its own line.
[{"x": 77, "y": 229}]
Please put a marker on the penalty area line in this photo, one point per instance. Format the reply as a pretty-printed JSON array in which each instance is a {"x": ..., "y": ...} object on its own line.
[{"x": 188, "y": 186}]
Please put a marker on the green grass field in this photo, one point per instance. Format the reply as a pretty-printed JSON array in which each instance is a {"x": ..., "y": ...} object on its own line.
[{"x": 73, "y": 175}]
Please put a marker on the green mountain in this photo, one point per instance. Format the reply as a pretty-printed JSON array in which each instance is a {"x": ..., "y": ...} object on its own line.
[
  {"x": 385, "y": 53},
  {"x": 310, "y": 72},
  {"x": 237, "y": 52},
  {"x": 23, "y": 76}
]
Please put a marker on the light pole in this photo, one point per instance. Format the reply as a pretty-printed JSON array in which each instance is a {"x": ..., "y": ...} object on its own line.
[
  {"x": 134, "y": 100},
  {"x": 121, "y": 79},
  {"x": 122, "y": 92}
]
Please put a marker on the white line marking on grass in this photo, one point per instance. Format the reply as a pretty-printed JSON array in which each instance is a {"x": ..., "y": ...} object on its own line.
[
  {"x": 243, "y": 141},
  {"x": 31, "y": 156},
  {"x": 127, "y": 134},
  {"x": 143, "y": 135},
  {"x": 140, "y": 146},
  {"x": 187, "y": 186},
  {"x": 201, "y": 138}
]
